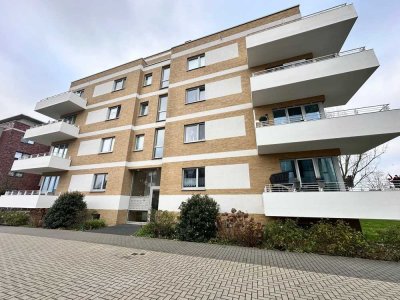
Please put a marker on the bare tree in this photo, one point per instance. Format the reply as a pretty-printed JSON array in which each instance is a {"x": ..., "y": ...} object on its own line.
[
  {"x": 378, "y": 181},
  {"x": 360, "y": 166}
]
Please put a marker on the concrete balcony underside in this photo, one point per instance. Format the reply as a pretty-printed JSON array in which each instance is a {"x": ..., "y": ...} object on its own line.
[
  {"x": 337, "y": 78},
  {"x": 42, "y": 164},
  {"x": 352, "y": 134},
  {"x": 320, "y": 34},
  {"x": 60, "y": 105},
  {"x": 53, "y": 132},
  {"x": 383, "y": 205},
  {"x": 27, "y": 201}
]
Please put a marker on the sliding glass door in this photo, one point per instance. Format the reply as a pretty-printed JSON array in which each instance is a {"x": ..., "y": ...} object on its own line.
[{"x": 306, "y": 171}]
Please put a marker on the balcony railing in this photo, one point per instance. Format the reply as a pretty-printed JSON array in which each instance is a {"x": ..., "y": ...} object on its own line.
[
  {"x": 328, "y": 115},
  {"x": 28, "y": 193},
  {"x": 58, "y": 95},
  {"x": 309, "y": 61},
  {"x": 54, "y": 122},
  {"x": 389, "y": 185},
  {"x": 301, "y": 18},
  {"x": 41, "y": 155}
]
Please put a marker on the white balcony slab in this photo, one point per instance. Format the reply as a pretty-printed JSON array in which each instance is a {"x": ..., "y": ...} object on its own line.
[
  {"x": 382, "y": 205},
  {"x": 338, "y": 79},
  {"x": 41, "y": 164},
  {"x": 60, "y": 105},
  {"x": 320, "y": 34},
  {"x": 27, "y": 201},
  {"x": 351, "y": 134},
  {"x": 52, "y": 132}
]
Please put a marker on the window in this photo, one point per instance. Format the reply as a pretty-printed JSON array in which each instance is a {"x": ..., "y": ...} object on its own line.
[
  {"x": 139, "y": 142},
  {"x": 148, "y": 79},
  {"x": 294, "y": 114},
  {"x": 20, "y": 155},
  {"x": 113, "y": 112},
  {"x": 289, "y": 166},
  {"x": 70, "y": 119},
  {"x": 60, "y": 150},
  {"x": 196, "y": 62},
  {"x": 195, "y": 94},
  {"x": 159, "y": 143},
  {"x": 49, "y": 184},
  {"x": 15, "y": 174},
  {"x": 107, "y": 145},
  {"x": 79, "y": 92},
  {"x": 100, "y": 182},
  {"x": 119, "y": 84},
  {"x": 193, "y": 178},
  {"x": 25, "y": 141},
  {"x": 144, "y": 109},
  {"x": 194, "y": 133},
  {"x": 162, "y": 108},
  {"x": 165, "y": 77},
  {"x": 312, "y": 112}
]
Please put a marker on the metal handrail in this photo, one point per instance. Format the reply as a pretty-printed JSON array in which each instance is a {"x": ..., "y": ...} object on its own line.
[
  {"x": 41, "y": 155},
  {"x": 389, "y": 185},
  {"x": 301, "y": 18},
  {"x": 329, "y": 115},
  {"x": 54, "y": 122},
  {"x": 309, "y": 61}
]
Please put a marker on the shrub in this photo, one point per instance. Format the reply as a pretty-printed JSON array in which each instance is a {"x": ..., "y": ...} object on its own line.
[
  {"x": 68, "y": 211},
  {"x": 197, "y": 222},
  {"x": 162, "y": 225},
  {"x": 285, "y": 235},
  {"x": 94, "y": 224},
  {"x": 237, "y": 228},
  {"x": 14, "y": 218}
]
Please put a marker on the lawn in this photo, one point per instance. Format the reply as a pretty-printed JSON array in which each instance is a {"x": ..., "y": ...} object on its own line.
[{"x": 371, "y": 228}]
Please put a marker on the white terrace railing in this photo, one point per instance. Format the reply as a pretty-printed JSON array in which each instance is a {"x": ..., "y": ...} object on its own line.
[
  {"x": 55, "y": 121},
  {"x": 41, "y": 155},
  {"x": 328, "y": 115},
  {"x": 301, "y": 18},
  {"x": 27, "y": 193},
  {"x": 390, "y": 185},
  {"x": 309, "y": 61}
]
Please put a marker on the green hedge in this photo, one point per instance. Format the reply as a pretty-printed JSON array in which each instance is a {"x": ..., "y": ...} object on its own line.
[
  {"x": 14, "y": 218},
  {"x": 94, "y": 224}
]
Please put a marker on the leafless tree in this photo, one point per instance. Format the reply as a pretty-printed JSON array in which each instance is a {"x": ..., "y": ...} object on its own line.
[
  {"x": 378, "y": 181},
  {"x": 361, "y": 166}
]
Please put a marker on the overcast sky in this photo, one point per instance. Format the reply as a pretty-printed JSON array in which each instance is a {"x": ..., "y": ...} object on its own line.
[{"x": 44, "y": 45}]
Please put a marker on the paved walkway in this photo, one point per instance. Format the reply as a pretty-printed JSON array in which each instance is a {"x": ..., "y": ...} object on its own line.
[
  {"x": 53, "y": 264},
  {"x": 123, "y": 229}
]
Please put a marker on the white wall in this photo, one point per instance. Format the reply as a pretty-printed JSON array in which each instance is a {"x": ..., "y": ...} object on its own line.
[
  {"x": 249, "y": 203},
  {"x": 222, "y": 54},
  {"x": 81, "y": 183},
  {"x": 89, "y": 147},
  {"x": 96, "y": 116},
  {"x": 228, "y": 177},
  {"x": 223, "y": 88},
  {"x": 225, "y": 128},
  {"x": 107, "y": 202},
  {"x": 103, "y": 88}
]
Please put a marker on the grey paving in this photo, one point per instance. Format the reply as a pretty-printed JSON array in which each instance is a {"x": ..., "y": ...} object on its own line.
[
  {"x": 123, "y": 229},
  {"x": 55, "y": 264}
]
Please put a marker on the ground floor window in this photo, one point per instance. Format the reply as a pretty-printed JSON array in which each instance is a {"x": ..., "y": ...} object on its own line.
[{"x": 193, "y": 178}]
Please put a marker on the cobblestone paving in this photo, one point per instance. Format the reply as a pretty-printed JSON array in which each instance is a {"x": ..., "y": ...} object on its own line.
[{"x": 36, "y": 267}]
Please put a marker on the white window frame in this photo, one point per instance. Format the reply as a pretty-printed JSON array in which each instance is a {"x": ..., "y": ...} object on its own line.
[
  {"x": 137, "y": 139},
  {"x": 197, "y": 125},
  {"x": 159, "y": 111},
  {"x": 116, "y": 82},
  {"x": 199, "y": 89},
  {"x": 156, "y": 146},
  {"x": 102, "y": 144},
  {"x": 163, "y": 80},
  {"x": 59, "y": 150},
  {"x": 103, "y": 182},
  {"x": 143, "y": 104},
  {"x": 146, "y": 78},
  {"x": 201, "y": 61},
  {"x": 303, "y": 112},
  {"x": 110, "y": 109},
  {"x": 50, "y": 182},
  {"x": 197, "y": 187}
]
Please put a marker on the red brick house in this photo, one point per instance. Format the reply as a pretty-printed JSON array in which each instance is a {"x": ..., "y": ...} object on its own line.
[{"x": 13, "y": 146}]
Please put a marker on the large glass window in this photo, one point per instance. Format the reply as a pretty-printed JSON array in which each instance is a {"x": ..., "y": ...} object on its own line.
[
  {"x": 326, "y": 169},
  {"x": 193, "y": 178},
  {"x": 194, "y": 133},
  {"x": 162, "y": 108},
  {"x": 165, "y": 77},
  {"x": 295, "y": 114},
  {"x": 196, "y": 62},
  {"x": 60, "y": 150},
  {"x": 306, "y": 112},
  {"x": 143, "y": 180},
  {"x": 279, "y": 116},
  {"x": 139, "y": 142},
  {"x": 159, "y": 143},
  {"x": 107, "y": 145},
  {"x": 49, "y": 184},
  {"x": 195, "y": 94},
  {"x": 289, "y": 166},
  {"x": 312, "y": 112},
  {"x": 100, "y": 182}
]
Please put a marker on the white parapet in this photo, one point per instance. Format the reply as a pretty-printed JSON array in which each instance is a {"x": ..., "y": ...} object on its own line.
[
  {"x": 61, "y": 104},
  {"x": 27, "y": 201},
  {"x": 47, "y": 134},
  {"x": 41, "y": 163}
]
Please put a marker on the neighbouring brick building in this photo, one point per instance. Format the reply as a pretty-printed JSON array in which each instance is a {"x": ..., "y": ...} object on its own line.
[
  {"x": 13, "y": 146},
  {"x": 249, "y": 115}
]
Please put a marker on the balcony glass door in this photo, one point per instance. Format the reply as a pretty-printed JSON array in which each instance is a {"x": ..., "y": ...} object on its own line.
[
  {"x": 306, "y": 171},
  {"x": 295, "y": 114}
]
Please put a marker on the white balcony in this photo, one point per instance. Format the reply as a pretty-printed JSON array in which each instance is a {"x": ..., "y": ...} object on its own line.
[
  {"x": 320, "y": 34},
  {"x": 41, "y": 163},
  {"x": 353, "y": 131},
  {"x": 26, "y": 199},
  {"x": 47, "y": 134},
  {"x": 337, "y": 77},
  {"x": 61, "y": 104},
  {"x": 334, "y": 202}
]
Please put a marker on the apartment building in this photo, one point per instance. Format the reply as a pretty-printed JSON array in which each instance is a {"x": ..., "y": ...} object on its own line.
[
  {"x": 247, "y": 115},
  {"x": 14, "y": 146}
]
